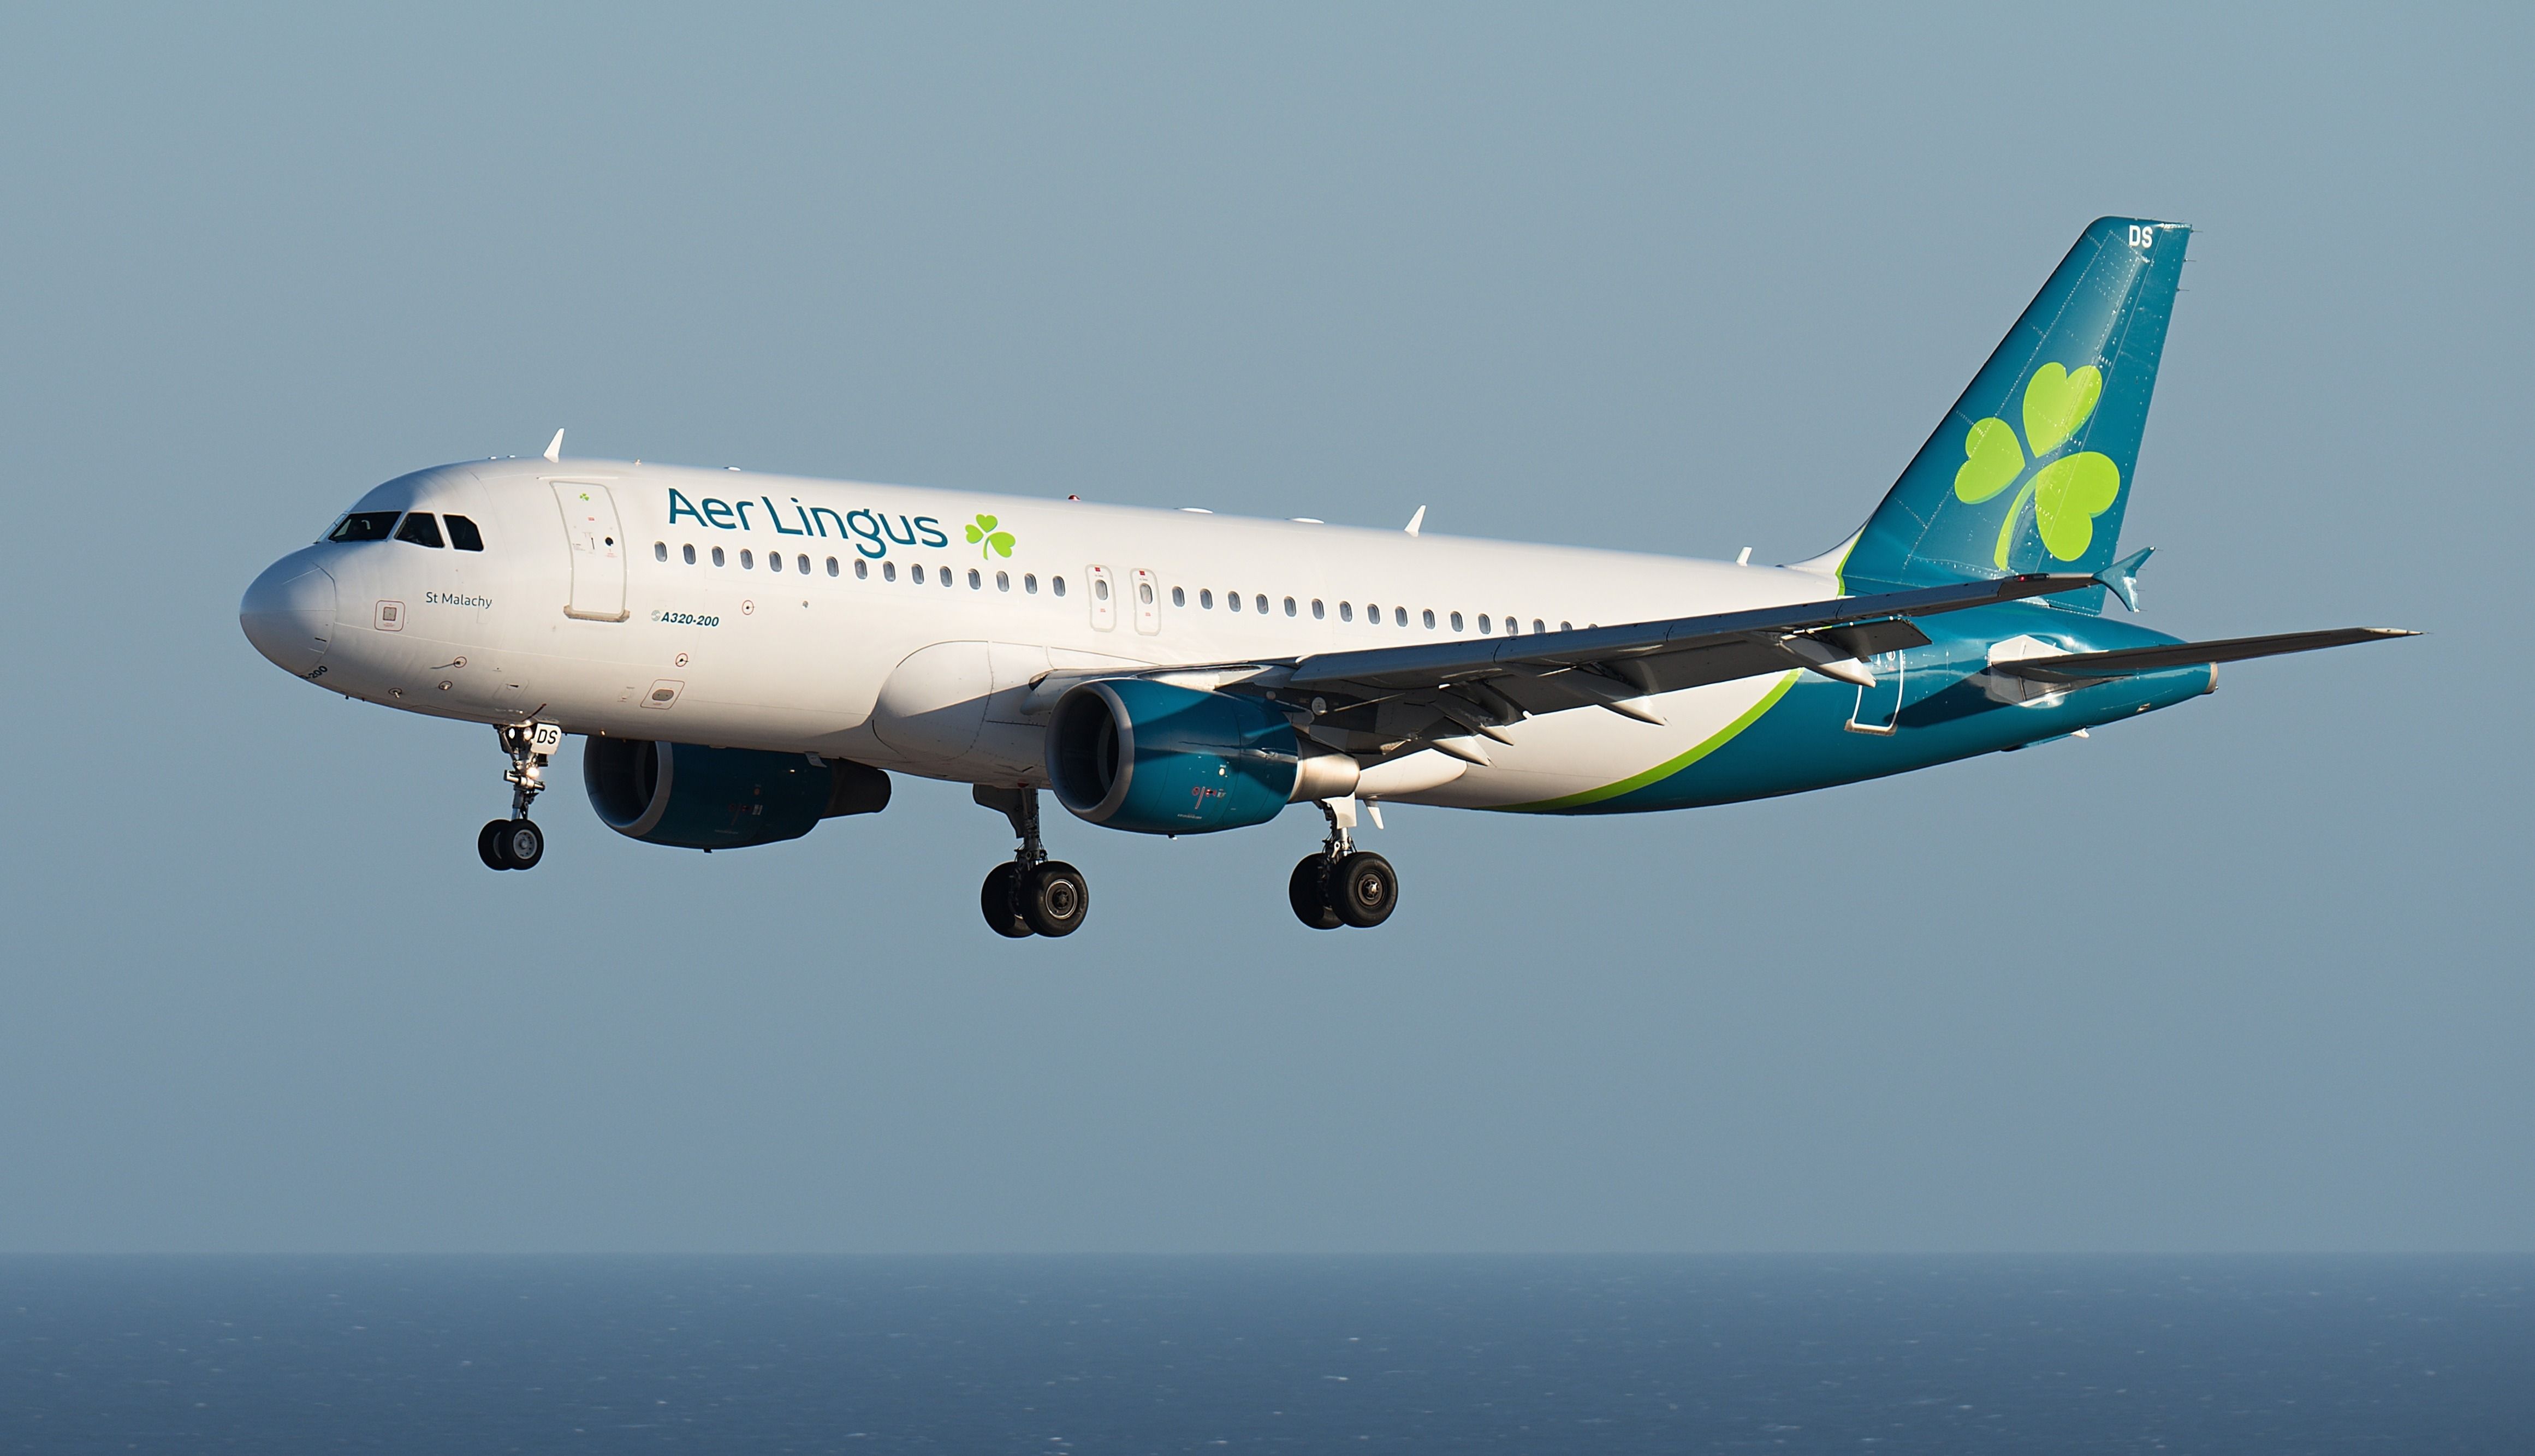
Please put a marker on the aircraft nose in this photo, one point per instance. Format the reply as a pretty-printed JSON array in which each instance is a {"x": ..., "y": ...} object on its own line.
[{"x": 288, "y": 614}]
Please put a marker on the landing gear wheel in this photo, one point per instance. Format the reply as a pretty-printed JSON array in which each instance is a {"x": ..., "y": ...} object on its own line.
[
  {"x": 519, "y": 844},
  {"x": 1000, "y": 899},
  {"x": 488, "y": 844},
  {"x": 1303, "y": 891},
  {"x": 1363, "y": 889},
  {"x": 1054, "y": 899}
]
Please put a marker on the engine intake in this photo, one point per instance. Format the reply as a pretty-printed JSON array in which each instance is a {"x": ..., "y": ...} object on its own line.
[
  {"x": 700, "y": 798},
  {"x": 1157, "y": 759}
]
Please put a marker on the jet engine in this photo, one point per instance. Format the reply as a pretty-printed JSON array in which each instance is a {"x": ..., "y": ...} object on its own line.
[
  {"x": 700, "y": 798},
  {"x": 1158, "y": 758}
]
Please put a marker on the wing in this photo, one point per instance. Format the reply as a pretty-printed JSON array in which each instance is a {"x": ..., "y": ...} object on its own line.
[
  {"x": 1447, "y": 695},
  {"x": 2095, "y": 667}
]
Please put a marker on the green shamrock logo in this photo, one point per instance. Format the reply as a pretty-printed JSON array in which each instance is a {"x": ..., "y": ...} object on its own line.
[
  {"x": 983, "y": 532},
  {"x": 2069, "y": 493}
]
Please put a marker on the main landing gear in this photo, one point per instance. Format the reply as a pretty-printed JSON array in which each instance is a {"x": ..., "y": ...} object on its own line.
[
  {"x": 1342, "y": 884},
  {"x": 516, "y": 843},
  {"x": 1030, "y": 894}
]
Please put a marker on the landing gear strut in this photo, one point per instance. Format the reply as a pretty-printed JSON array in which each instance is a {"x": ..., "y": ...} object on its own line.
[
  {"x": 1030, "y": 894},
  {"x": 516, "y": 843},
  {"x": 1342, "y": 884}
]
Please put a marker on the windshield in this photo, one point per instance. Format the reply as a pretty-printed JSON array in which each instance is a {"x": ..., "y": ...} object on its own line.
[
  {"x": 364, "y": 526},
  {"x": 421, "y": 529}
]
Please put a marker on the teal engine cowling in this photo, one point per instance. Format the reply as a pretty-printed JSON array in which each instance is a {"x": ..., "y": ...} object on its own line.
[
  {"x": 699, "y": 798},
  {"x": 1157, "y": 759}
]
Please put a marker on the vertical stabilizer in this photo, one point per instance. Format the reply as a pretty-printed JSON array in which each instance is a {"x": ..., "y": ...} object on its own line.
[{"x": 2032, "y": 470}]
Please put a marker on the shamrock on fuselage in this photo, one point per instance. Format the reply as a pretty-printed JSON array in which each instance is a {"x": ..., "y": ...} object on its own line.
[{"x": 984, "y": 535}]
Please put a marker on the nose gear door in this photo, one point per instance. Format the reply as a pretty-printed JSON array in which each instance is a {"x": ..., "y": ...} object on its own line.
[{"x": 597, "y": 542}]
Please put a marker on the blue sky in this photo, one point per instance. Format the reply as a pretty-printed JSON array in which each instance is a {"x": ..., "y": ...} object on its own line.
[{"x": 2249, "y": 975}]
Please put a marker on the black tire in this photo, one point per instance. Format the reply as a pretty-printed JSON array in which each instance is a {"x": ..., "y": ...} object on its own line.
[
  {"x": 488, "y": 844},
  {"x": 1364, "y": 889},
  {"x": 999, "y": 900},
  {"x": 1304, "y": 891},
  {"x": 1055, "y": 899},
  {"x": 521, "y": 844}
]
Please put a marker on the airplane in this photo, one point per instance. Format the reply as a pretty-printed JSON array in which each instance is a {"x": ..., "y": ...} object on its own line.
[{"x": 747, "y": 655}]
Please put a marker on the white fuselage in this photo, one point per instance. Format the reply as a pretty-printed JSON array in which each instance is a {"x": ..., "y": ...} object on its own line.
[{"x": 861, "y": 622}]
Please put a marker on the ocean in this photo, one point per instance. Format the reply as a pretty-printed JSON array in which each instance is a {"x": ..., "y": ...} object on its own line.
[{"x": 1131, "y": 1355}]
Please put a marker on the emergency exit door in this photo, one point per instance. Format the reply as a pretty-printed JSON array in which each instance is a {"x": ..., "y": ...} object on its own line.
[{"x": 597, "y": 541}]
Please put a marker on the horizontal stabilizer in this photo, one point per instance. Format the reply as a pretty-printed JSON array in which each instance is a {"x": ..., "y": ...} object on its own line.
[{"x": 2094, "y": 667}]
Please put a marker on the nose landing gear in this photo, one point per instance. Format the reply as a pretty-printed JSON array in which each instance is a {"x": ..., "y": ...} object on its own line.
[
  {"x": 516, "y": 843},
  {"x": 1030, "y": 894},
  {"x": 1342, "y": 884}
]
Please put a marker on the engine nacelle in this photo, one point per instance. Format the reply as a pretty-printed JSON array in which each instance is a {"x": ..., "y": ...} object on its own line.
[
  {"x": 700, "y": 798},
  {"x": 1163, "y": 759}
]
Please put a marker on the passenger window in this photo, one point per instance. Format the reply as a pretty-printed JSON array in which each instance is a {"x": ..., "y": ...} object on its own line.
[
  {"x": 747, "y": 560},
  {"x": 1099, "y": 591},
  {"x": 463, "y": 535},
  {"x": 1233, "y": 599},
  {"x": 1029, "y": 584},
  {"x": 1056, "y": 584},
  {"x": 888, "y": 570},
  {"x": 774, "y": 560},
  {"x": 1539, "y": 625},
  {"x": 862, "y": 569},
  {"x": 915, "y": 574},
  {"x": 421, "y": 529},
  {"x": 801, "y": 563},
  {"x": 1289, "y": 606},
  {"x": 976, "y": 581},
  {"x": 1430, "y": 618},
  {"x": 660, "y": 551},
  {"x": 1566, "y": 627},
  {"x": 689, "y": 551},
  {"x": 1178, "y": 596},
  {"x": 1261, "y": 602},
  {"x": 363, "y": 525},
  {"x": 718, "y": 558},
  {"x": 945, "y": 574},
  {"x": 1144, "y": 594},
  {"x": 1346, "y": 611},
  {"x": 832, "y": 566},
  {"x": 1318, "y": 610},
  {"x": 1456, "y": 622},
  {"x": 1483, "y": 623},
  {"x": 1205, "y": 598},
  {"x": 1003, "y": 580}
]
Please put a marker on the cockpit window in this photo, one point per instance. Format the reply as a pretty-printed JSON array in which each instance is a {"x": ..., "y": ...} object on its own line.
[
  {"x": 363, "y": 525},
  {"x": 421, "y": 529},
  {"x": 462, "y": 533}
]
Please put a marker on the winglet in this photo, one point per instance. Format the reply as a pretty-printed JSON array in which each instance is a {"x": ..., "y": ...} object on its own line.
[
  {"x": 1417, "y": 521},
  {"x": 2122, "y": 576},
  {"x": 554, "y": 447}
]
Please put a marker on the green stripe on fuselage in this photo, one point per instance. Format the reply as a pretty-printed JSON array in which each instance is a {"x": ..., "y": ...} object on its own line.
[{"x": 1667, "y": 768}]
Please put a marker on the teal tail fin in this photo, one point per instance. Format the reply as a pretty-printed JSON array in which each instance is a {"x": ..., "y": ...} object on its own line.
[{"x": 2032, "y": 470}]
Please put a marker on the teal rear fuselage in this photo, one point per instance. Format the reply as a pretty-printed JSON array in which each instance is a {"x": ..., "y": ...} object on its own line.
[{"x": 1813, "y": 732}]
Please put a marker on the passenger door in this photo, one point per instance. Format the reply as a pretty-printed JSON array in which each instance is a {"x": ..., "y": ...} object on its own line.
[{"x": 597, "y": 542}]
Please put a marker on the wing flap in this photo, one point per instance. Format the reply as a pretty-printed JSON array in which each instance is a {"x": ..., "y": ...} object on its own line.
[{"x": 1679, "y": 653}]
